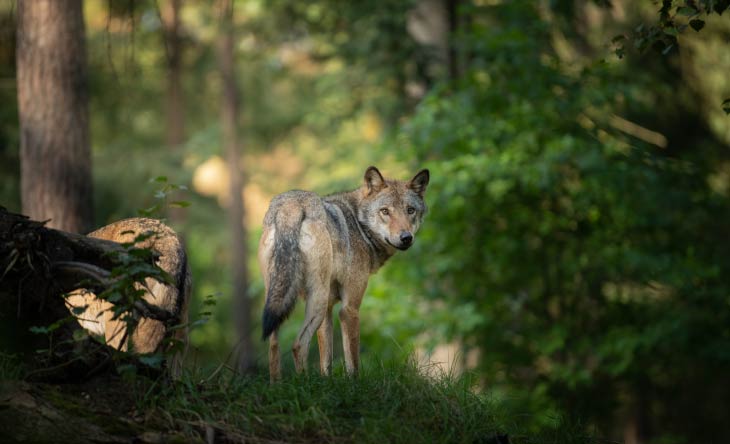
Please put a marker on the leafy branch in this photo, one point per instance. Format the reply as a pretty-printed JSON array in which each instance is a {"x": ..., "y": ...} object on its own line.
[
  {"x": 675, "y": 17},
  {"x": 163, "y": 195}
]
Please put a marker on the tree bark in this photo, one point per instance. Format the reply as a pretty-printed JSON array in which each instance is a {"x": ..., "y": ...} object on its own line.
[
  {"x": 455, "y": 22},
  {"x": 175, "y": 129},
  {"x": 174, "y": 99},
  {"x": 229, "y": 117},
  {"x": 55, "y": 156}
]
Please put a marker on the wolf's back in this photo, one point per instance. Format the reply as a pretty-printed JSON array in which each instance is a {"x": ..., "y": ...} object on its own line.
[{"x": 285, "y": 267}]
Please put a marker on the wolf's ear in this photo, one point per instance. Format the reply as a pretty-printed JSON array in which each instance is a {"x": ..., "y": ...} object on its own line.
[
  {"x": 374, "y": 180},
  {"x": 420, "y": 182}
]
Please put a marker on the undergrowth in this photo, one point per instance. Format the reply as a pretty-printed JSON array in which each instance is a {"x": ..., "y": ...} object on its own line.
[{"x": 387, "y": 403}]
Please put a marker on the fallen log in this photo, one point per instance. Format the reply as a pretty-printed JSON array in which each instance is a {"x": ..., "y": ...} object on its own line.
[{"x": 127, "y": 283}]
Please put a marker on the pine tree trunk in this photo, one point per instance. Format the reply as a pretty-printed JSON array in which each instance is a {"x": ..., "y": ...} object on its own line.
[
  {"x": 175, "y": 130},
  {"x": 174, "y": 99},
  {"x": 229, "y": 117},
  {"x": 55, "y": 157},
  {"x": 455, "y": 68}
]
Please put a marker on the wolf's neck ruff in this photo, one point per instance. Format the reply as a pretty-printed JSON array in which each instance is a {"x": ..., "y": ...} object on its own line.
[
  {"x": 379, "y": 250},
  {"x": 348, "y": 202}
]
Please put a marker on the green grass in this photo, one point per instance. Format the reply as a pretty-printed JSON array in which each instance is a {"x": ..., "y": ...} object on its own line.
[{"x": 387, "y": 403}]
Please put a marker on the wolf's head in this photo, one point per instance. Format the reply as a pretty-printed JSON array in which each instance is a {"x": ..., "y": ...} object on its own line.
[{"x": 393, "y": 209}]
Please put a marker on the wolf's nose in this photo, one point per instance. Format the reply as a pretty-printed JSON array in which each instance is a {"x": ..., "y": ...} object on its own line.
[{"x": 406, "y": 238}]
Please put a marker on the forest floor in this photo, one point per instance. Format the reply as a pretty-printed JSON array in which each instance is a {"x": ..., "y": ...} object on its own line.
[{"x": 383, "y": 405}]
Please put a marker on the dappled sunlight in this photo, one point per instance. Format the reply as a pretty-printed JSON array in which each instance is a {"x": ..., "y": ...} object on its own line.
[
  {"x": 446, "y": 359},
  {"x": 277, "y": 167},
  {"x": 210, "y": 178},
  {"x": 298, "y": 58},
  {"x": 705, "y": 62},
  {"x": 256, "y": 202}
]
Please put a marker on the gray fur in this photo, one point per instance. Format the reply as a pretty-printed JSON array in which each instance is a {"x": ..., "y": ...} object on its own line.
[
  {"x": 324, "y": 249},
  {"x": 286, "y": 267}
]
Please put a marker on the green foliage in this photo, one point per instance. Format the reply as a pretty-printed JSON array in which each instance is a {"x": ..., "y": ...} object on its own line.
[
  {"x": 674, "y": 19},
  {"x": 48, "y": 331},
  {"x": 127, "y": 281},
  {"x": 593, "y": 260},
  {"x": 163, "y": 195}
]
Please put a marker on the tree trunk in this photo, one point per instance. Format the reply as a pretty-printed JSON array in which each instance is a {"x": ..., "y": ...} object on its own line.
[
  {"x": 174, "y": 102},
  {"x": 55, "y": 158},
  {"x": 637, "y": 429},
  {"x": 229, "y": 117},
  {"x": 174, "y": 99},
  {"x": 175, "y": 129},
  {"x": 455, "y": 22}
]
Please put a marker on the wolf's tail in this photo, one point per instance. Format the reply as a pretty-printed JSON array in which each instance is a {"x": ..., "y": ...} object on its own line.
[{"x": 285, "y": 271}]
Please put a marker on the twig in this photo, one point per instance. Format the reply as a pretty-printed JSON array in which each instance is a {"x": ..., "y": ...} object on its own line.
[
  {"x": 99, "y": 274},
  {"x": 102, "y": 276}
]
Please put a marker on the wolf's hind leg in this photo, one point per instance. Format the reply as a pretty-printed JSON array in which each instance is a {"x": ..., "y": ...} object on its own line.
[
  {"x": 316, "y": 248},
  {"x": 324, "y": 340},
  {"x": 313, "y": 317},
  {"x": 274, "y": 357}
]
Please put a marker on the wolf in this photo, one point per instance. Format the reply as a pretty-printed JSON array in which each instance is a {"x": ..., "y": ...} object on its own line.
[
  {"x": 324, "y": 249},
  {"x": 148, "y": 337}
]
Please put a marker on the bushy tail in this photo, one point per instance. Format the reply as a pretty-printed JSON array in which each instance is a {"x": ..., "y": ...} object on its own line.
[{"x": 285, "y": 272}]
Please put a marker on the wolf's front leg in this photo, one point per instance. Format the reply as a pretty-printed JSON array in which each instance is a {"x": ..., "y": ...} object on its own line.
[{"x": 324, "y": 340}]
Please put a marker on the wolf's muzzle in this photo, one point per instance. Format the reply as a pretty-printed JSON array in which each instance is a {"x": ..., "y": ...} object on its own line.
[{"x": 406, "y": 239}]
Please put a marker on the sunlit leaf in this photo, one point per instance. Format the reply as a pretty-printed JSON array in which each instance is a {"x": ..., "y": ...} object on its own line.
[{"x": 687, "y": 11}]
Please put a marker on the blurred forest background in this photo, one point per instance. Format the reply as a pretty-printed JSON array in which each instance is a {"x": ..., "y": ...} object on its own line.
[{"x": 575, "y": 256}]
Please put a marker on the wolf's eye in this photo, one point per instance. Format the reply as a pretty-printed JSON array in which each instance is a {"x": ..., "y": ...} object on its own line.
[
  {"x": 411, "y": 210},
  {"x": 384, "y": 211}
]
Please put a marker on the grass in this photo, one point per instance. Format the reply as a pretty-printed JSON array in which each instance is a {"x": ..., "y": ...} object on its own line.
[{"x": 387, "y": 403}]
